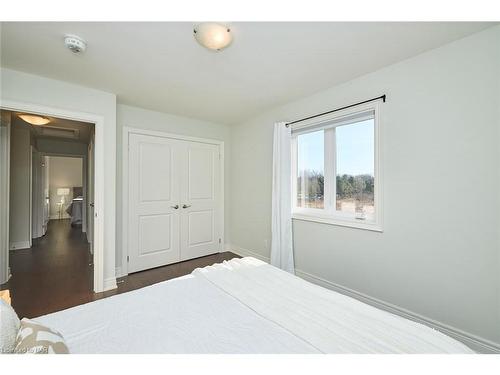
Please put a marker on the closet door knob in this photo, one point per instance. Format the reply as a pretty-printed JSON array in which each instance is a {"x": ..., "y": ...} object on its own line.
[
  {"x": 175, "y": 207},
  {"x": 186, "y": 205}
]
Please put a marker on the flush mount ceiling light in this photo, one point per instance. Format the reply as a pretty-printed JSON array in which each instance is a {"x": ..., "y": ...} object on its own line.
[
  {"x": 34, "y": 119},
  {"x": 75, "y": 44},
  {"x": 214, "y": 36}
]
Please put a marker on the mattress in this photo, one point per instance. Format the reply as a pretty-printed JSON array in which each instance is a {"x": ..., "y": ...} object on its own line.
[
  {"x": 241, "y": 306},
  {"x": 75, "y": 210}
]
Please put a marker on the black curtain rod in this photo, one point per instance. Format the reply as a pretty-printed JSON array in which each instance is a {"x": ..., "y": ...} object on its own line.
[{"x": 335, "y": 110}]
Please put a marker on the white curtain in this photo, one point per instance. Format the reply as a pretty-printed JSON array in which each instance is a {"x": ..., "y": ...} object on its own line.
[{"x": 281, "y": 228}]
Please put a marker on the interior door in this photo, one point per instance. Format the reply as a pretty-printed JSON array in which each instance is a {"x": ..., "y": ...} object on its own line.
[
  {"x": 90, "y": 195},
  {"x": 37, "y": 192},
  {"x": 153, "y": 238},
  {"x": 201, "y": 224},
  {"x": 45, "y": 194},
  {"x": 32, "y": 150}
]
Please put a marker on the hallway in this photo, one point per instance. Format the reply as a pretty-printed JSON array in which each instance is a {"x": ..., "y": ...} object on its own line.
[{"x": 54, "y": 274}]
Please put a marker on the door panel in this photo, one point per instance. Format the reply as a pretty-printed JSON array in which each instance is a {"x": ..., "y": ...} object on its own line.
[
  {"x": 155, "y": 171},
  {"x": 201, "y": 197},
  {"x": 153, "y": 192},
  {"x": 200, "y": 227},
  {"x": 201, "y": 173},
  {"x": 149, "y": 228}
]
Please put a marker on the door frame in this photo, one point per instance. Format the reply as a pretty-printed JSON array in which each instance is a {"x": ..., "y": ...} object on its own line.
[
  {"x": 5, "y": 132},
  {"x": 31, "y": 195},
  {"x": 36, "y": 193},
  {"x": 75, "y": 156},
  {"x": 99, "y": 212},
  {"x": 127, "y": 130},
  {"x": 90, "y": 189}
]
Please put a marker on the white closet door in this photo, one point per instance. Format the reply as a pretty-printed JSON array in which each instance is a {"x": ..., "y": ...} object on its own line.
[
  {"x": 153, "y": 194},
  {"x": 201, "y": 200}
]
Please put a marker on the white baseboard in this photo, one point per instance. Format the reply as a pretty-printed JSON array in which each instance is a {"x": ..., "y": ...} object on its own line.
[
  {"x": 8, "y": 276},
  {"x": 19, "y": 245},
  {"x": 476, "y": 343},
  {"x": 109, "y": 284},
  {"x": 245, "y": 252},
  {"x": 119, "y": 272}
]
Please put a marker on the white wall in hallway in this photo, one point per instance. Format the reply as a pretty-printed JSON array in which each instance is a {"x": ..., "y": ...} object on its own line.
[
  {"x": 19, "y": 211},
  {"x": 61, "y": 147}
]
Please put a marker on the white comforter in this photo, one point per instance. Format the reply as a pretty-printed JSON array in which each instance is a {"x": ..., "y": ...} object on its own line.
[{"x": 241, "y": 306}]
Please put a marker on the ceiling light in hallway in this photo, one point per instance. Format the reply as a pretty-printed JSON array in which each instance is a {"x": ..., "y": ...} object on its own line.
[{"x": 34, "y": 119}]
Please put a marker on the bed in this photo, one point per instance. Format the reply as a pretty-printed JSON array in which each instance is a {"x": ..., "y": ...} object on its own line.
[
  {"x": 75, "y": 209},
  {"x": 241, "y": 306}
]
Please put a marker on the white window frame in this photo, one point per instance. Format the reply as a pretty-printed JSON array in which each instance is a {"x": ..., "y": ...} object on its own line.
[{"x": 329, "y": 215}]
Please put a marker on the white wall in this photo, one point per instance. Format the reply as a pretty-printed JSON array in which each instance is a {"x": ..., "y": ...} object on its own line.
[
  {"x": 55, "y": 146},
  {"x": 439, "y": 253},
  {"x": 19, "y": 210},
  {"x": 134, "y": 117},
  {"x": 21, "y": 87},
  {"x": 64, "y": 172}
]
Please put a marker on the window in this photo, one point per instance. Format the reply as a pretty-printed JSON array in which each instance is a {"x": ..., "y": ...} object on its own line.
[
  {"x": 311, "y": 170},
  {"x": 335, "y": 169}
]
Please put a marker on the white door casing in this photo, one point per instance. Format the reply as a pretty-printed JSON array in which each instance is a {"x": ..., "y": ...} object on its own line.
[
  {"x": 90, "y": 194},
  {"x": 100, "y": 284},
  {"x": 5, "y": 119},
  {"x": 32, "y": 151},
  {"x": 161, "y": 172}
]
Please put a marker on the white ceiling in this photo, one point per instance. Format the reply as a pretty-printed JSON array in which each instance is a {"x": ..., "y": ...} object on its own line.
[{"x": 160, "y": 66}]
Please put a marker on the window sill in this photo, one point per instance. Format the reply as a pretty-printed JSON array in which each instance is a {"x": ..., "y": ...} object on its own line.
[{"x": 339, "y": 222}]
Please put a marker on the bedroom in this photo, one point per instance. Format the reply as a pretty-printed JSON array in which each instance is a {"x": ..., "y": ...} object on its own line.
[{"x": 371, "y": 180}]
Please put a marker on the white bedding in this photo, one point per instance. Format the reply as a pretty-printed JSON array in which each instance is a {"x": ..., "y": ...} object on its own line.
[
  {"x": 75, "y": 210},
  {"x": 184, "y": 315},
  {"x": 241, "y": 306}
]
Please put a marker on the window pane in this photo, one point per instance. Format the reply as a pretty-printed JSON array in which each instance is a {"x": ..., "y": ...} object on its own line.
[
  {"x": 355, "y": 169},
  {"x": 310, "y": 169}
]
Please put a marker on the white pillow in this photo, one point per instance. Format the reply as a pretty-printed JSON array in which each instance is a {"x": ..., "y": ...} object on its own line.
[{"x": 9, "y": 326}]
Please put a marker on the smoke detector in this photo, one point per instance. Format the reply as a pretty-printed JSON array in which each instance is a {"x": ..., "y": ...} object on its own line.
[{"x": 75, "y": 44}]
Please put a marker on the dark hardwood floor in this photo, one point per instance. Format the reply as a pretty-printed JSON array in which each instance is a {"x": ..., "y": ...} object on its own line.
[{"x": 56, "y": 272}]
